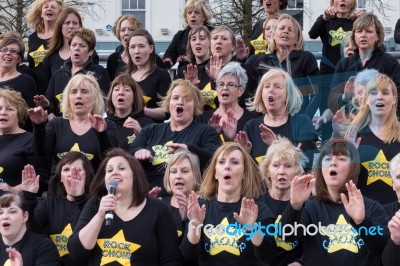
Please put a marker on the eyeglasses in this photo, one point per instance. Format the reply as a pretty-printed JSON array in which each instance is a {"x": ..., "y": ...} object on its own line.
[
  {"x": 5, "y": 50},
  {"x": 229, "y": 86}
]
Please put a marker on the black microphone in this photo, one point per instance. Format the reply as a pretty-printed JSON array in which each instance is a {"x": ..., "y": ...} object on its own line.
[{"x": 112, "y": 189}]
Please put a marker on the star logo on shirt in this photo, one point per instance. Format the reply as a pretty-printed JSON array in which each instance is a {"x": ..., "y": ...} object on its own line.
[
  {"x": 282, "y": 244},
  {"x": 38, "y": 55},
  {"x": 117, "y": 249},
  {"x": 1, "y": 170},
  {"x": 179, "y": 233},
  {"x": 131, "y": 138},
  {"x": 222, "y": 242},
  {"x": 378, "y": 169},
  {"x": 76, "y": 148},
  {"x": 259, "y": 159},
  {"x": 161, "y": 153},
  {"x": 259, "y": 44},
  {"x": 337, "y": 36},
  {"x": 341, "y": 239},
  {"x": 209, "y": 95},
  {"x": 61, "y": 240},
  {"x": 146, "y": 99}
]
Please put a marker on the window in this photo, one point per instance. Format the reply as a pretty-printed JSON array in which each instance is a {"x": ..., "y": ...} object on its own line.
[
  {"x": 362, "y": 4},
  {"x": 295, "y": 9},
  {"x": 136, "y": 8}
]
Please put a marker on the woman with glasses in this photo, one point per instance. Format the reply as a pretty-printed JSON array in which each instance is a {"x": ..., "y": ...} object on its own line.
[{"x": 229, "y": 118}]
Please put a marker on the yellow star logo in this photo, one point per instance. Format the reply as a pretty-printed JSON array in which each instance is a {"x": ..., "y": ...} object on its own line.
[
  {"x": 223, "y": 242},
  {"x": 38, "y": 55},
  {"x": 146, "y": 99},
  {"x": 209, "y": 95},
  {"x": 61, "y": 240},
  {"x": 76, "y": 148},
  {"x": 259, "y": 159},
  {"x": 161, "y": 154},
  {"x": 259, "y": 44},
  {"x": 131, "y": 138},
  {"x": 59, "y": 99},
  {"x": 378, "y": 169},
  {"x": 179, "y": 233},
  {"x": 1, "y": 170},
  {"x": 280, "y": 243},
  {"x": 337, "y": 36},
  {"x": 7, "y": 263},
  {"x": 341, "y": 239},
  {"x": 117, "y": 249}
]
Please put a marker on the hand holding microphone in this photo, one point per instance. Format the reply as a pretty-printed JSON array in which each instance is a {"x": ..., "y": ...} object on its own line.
[{"x": 112, "y": 189}]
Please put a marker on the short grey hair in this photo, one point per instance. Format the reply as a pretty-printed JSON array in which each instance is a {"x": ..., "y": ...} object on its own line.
[
  {"x": 234, "y": 69},
  {"x": 363, "y": 77}
]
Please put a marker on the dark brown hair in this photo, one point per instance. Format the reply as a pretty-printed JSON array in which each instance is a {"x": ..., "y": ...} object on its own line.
[{"x": 139, "y": 183}]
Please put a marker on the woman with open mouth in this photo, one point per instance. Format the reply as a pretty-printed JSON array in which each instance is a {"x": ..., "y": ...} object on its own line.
[
  {"x": 81, "y": 128},
  {"x": 368, "y": 34},
  {"x": 81, "y": 45},
  {"x": 17, "y": 243},
  {"x": 42, "y": 17},
  {"x": 286, "y": 51},
  {"x": 195, "y": 13},
  {"x": 155, "y": 143},
  {"x": 153, "y": 80},
  {"x": 229, "y": 118},
  {"x": 57, "y": 215},
  {"x": 283, "y": 161},
  {"x": 279, "y": 100},
  {"x": 125, "y": 107},
  {"x": 377, "y": 132},
  {"x": 125, "y": 227},
  {"x": 182, "y": 176},
  {"x": 345, "y": 218},
  {"x": 231, "y": 184}
]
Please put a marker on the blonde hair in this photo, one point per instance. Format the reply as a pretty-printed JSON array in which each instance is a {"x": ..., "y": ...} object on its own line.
[
  {"x": 178, "y": 157},
  {"x": 368, "y": 20},
  {"x": 299, "y": 44},
  {"x": 135, "y": 23},
  {"x": 253, "y": 185},
  {"x": 188, "y": 90},
  {"x": 14, "y": 98},
  {"x": 294, "y": 99},
  {"x": 199, "y": 5},
  {"x": 363, "y": 118},
  {"x": 89, "y": 82},
  {"x": 286, "y": 151},
  {"x": 34, "y": 15}
]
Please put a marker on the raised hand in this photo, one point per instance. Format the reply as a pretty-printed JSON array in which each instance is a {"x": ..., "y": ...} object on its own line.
[
  {"x": 30, "y": 181},
  {"x": 229, "y": 127},
  {"x": 133, "y": 124},
  {"x": 143, "y": 154},
  {"x": 98, "y": 123},
  {"x": 173, "y": 147},
  {"x": 37, "y": 115},
  {"x": 301, "y": 189},
  {"x": 356, "y": 14},
  {"x": 40, "y": 100},
  {"x": 195, "y": 213},
  {"x": 354, "y": 204},
  {"x": 77, "y": 182},
  {"x": 153, "y": 193},
  {"x": 351, "y": 136},
  {"x": 108, "y": 203},
  {"x": 242, "y": 52},
  {"x": 339, "y": 123},
  {"x": 394, "y": 228},
  {"x": 244, "y": 141},
  {"x": 329, "y": 13},
  {"x": 15, "y": 257},
  {"x": 267, "y": 135},
  {"x": 214, "y": 122},
  {"x": 324, "y": 118},
  {"x": 248, "y": 212},
  {"x": 183, "y": 204},
  {"x": 191, "y": 73},
  {"x": 215, "y": 67},
  {"x": 349, "y": 90}
]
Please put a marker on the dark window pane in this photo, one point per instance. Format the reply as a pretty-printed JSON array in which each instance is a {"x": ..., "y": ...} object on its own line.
[
  {"x": 133, "y": 4},
  {"x": 125, "y": 4},
  {"x": 142, "y": 4}
]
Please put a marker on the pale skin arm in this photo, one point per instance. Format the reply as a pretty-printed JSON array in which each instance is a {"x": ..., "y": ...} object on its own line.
[
  {"x": 244, "y": 141},
  {"x": 267, "y": 135},
  {"x": 155, "y": 113},
  {"x": 143, "y": 154},
  {"x": 37, "y": 115},
  {"x": 229, "y": 127},
  {"x": 214, "y": 122},
  {"x": 40, "y": 100},
  {"x": 300, "y": 190},
  {"x": 196, "y": 215},
  {"x": 98, "y": 123},
  {"x": 215, "y": 67},
  {"x": 15, "y": 257},
  {"x": 88, "y": 234},
  {"x": 30, "y": 181},
  {"x": 133, "y": 124},
  {"x": 394, "y": 228},
  {"x": 191, "y": 73}
]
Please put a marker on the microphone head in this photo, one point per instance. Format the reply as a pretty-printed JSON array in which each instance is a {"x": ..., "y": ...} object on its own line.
[{"x": 112, "y": 185}]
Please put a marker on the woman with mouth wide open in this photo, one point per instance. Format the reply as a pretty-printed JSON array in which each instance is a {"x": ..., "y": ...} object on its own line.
[
  {"x": 278, "y": 98},
  {"x": 339, "y": 209},
  {"x": 141, "y": 232},
  {"x": 42, "y": 17},
  {"x": 153, "y": 79},
  {"x": 283, "y": 161},
  {"x": 231, "y": 184},
  {"x": 286, "y": 51},
  {"x": 155, "y": 143},
  {"x": 377, "y": 131},
  {"x": 18, "y": 245},
  {"x": 229, "y": 118},
  {"x": 81, "y": 45}
]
